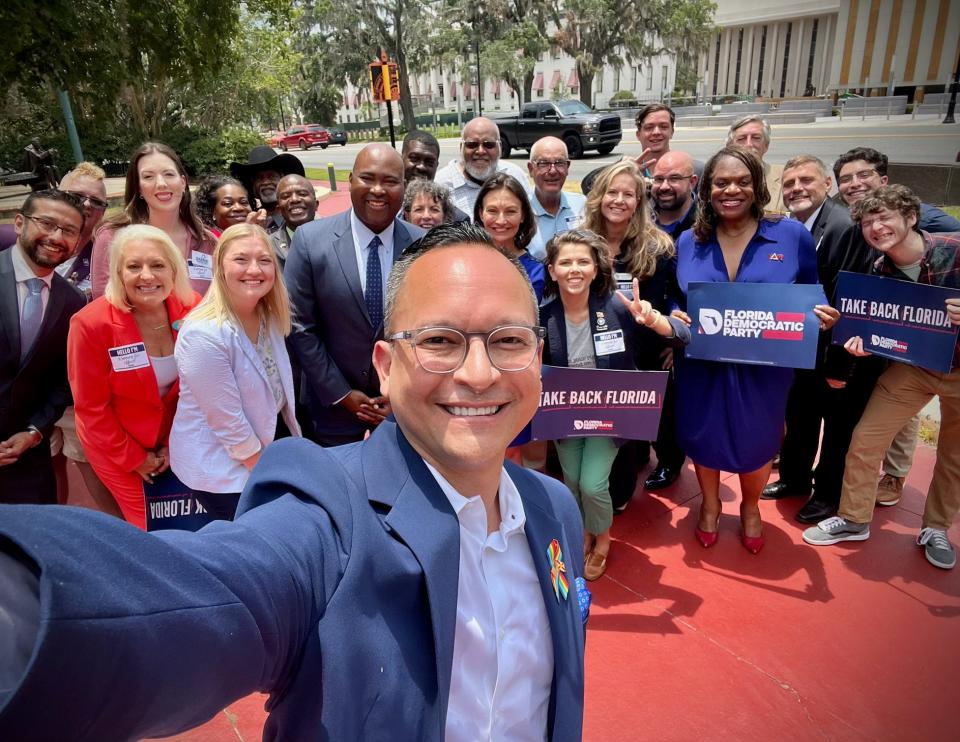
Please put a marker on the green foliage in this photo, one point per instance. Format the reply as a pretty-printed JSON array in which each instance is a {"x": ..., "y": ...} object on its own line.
[
  {"x": 209, "y": 152},
  {"x": 623, "y": 95},
  {"x": 320, "y": 103}
]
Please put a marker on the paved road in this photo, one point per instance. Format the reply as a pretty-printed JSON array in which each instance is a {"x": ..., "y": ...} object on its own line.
[{"x": 925, "y": 141}]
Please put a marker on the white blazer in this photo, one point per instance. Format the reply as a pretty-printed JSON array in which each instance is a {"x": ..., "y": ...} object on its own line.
[{"x": 226, "y": 411}]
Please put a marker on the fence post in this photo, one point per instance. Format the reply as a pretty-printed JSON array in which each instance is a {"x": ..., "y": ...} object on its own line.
[
  {"x": 332, "y": 176},
  {"x": 889, "y": 103}
]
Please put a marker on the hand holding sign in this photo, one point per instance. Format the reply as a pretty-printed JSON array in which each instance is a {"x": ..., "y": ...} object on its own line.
[
  {"x": 854, "y": 346},
  {"x": 953, "y": 310},
  {"x": 827, "y": 315}
]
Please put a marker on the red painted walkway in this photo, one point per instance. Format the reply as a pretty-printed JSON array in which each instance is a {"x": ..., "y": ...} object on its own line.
[{"x": 848, "y": 642}]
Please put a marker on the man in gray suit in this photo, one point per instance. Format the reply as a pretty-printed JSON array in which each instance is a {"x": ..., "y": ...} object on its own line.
[
  {"x": 297, "y": 204},
  {"x": 336, "y": 275}
]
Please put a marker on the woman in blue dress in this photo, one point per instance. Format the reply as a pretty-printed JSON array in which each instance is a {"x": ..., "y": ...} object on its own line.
[{"x": 730, "y": 416}]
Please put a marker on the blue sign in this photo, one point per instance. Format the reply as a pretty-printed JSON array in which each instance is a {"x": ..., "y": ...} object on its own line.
[
  {"x": 587, "y": 402},
  {"x": 170, "y": 504},
  {"x": 770, "y": 324},
  {"x": 896, "y": 319}
]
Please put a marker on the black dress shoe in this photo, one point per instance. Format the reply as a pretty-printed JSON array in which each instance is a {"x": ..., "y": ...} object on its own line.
[
  {"x": 816, "y": 510},
  {"x": 779, "y": 490},
  {"x": 661, "y": 477}
]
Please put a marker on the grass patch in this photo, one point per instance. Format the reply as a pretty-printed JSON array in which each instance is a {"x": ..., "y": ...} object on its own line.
[
  {"x": 320, "y": 173},
  {"x": 953, "y": 211}
]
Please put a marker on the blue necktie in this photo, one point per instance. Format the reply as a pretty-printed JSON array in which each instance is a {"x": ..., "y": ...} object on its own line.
[
  {"x": 31, "y": 316},
  {"x": 374, "y": 294}
]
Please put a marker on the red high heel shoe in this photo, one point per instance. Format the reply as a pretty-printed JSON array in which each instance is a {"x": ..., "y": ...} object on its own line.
[
  {"x": 753, "y": 544},
  {"x": 708, "y": 538}
]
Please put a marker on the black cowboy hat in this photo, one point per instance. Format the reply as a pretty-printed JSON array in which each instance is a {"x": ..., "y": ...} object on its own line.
[{"x": 264, "y": 158}]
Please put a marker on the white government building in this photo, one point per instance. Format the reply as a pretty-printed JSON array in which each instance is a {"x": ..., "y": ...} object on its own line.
[{"x": 763, "y": 48}]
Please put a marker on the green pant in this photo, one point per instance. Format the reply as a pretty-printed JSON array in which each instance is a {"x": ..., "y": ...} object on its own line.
[{"x": 586, "y": 466}]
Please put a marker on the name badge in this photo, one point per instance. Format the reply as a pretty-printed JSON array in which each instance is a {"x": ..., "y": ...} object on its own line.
[
  {"x": 572, "y": 221},
  {"x": 624, "y": 281},
  {"x": 606, "y": 343},
  {"x": 129, "y": 357},
  {"x": 200, "y": 266}
]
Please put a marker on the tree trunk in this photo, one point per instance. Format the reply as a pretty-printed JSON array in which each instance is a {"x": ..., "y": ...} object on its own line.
[
  {"x": 406, "y": 102},
  {"x": 528, "y": 87},
  {"x": 586, "y": 85}
]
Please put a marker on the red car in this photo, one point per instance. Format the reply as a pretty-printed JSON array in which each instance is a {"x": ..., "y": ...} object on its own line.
[{"x": 305, "y": 136}]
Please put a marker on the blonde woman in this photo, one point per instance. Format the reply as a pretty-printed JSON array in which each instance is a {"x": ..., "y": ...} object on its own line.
[
  {"x": 235, "y": 379},
  {"x": 618, "y": 210},
  {"x": 121, "y": 366}
]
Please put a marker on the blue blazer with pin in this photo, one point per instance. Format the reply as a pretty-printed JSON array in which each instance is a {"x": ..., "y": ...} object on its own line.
[
  {"x": 335, "y": 590},
  {"x": 333, "y": 336}
]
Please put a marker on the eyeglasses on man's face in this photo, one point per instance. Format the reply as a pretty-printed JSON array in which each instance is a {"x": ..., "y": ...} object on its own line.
[
  {"x": 659, "y": 180},
  {"x": 485, "y": 144},
  {"x": 84, "y": 199},
  {"x": 860, "y": 175},
  {"x": 545, "y": 165},
  {"x": 442, "y": 350},
  {"x": 49, "y": 226}
]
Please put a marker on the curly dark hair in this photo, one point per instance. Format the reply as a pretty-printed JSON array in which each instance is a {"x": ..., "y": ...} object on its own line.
[
  {"x": 503, "y": 181},
  {"x": 206, "y": 196},
  {"x": 897, "y": 198},
  {"x": 707, "y": 219}
]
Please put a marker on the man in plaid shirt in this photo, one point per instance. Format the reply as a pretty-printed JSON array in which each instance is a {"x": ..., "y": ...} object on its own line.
[{"x": 888, "y": 219}]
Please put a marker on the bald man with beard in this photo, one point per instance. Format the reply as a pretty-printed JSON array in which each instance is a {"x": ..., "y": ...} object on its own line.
[{"x": 479, "y": 159}]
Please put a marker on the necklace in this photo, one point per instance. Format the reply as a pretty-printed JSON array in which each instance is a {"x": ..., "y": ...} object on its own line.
[{"x": 159, "y": 327}]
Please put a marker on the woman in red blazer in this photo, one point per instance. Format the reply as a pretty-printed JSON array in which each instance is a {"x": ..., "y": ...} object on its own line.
[{"x": 121, "y": 366}]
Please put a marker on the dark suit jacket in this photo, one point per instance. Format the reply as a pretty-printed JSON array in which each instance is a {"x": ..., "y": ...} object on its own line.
[
  {"x": 335, "y": 590},
  {"x": 35, "y": 392},
  {"x": 332, "y": 335}
]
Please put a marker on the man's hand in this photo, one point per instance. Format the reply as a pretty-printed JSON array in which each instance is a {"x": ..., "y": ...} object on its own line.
[
  {"x": 953, "y": 310},
  {"x": 366, "y": 409},
  {"x": 682, "y": 316},
  {"x": 854, "y": 346},
  {"x": 15, "y": 446},
  {"x": 380, "y": 407},
  {"x": 827, "y": 315},
  {"x": 643, "y": 160}
]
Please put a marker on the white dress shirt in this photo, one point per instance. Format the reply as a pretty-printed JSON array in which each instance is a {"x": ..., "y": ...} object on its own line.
[
  {"x": 502, "y": 648},
  {"x": 362, "y": 235},
  {"x": 464, "y": 192},
  {"x": 22, "y": 273}
]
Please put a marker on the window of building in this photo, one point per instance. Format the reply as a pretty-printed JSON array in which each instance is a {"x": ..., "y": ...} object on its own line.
[
  {"x": 716, "y": 66},
  {"x": 649, "y": 77},
  {"x": 763, "y": 51},
  {"x": 599, "y": 79},
  {"x": 786, "y": 59},
  {"x": 633, "y": 78},
  {"x": 813, "y": 51},
  {"x": 665, "y": 78},
  {"x": 736, "y": 75},
  {"x": 616, "y": 79},
  {"x": 555, "y": 52}
]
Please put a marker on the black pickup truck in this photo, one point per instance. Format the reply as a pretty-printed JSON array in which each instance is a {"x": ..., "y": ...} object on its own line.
[{"x": 578, "y": 125}]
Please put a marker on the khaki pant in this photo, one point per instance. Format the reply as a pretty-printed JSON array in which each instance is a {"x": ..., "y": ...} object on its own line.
[
  {"x": 901, "y": 393},
  {"x": 899, "y": 457}
]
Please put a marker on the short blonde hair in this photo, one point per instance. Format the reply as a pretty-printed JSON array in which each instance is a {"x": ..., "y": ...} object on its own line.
[
  {"x": 115, "y": 292},
  {"x": 86, "y": 170},
  {"x": 274, "y": 308}
]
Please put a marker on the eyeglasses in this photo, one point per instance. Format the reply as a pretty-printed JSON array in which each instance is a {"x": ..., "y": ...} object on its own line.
[
  {"x": 486, "y": 144},
  {"x": 442, "y": 350},
  {"x": 859, "y": 175},
  {"x": 545, "y": 165},
  {"x": 48, "y": 226},
  {"x": 671, "y": 179},
  {"x": 83, "y": 198}
]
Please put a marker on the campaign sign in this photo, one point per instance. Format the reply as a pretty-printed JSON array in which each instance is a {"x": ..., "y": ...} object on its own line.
[
  {"x": 896, "y": 319},
  {"x": 170, "y": 504},
  {"x": 770, "y": 324},
  {"x": 587, "y": 402}
]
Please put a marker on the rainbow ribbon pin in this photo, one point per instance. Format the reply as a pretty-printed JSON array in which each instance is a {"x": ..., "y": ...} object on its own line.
[{"x": 558, "y": 571}]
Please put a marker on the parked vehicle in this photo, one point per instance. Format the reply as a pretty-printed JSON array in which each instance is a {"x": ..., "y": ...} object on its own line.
[
  {"x": 338, "y": 136},
  {"x": 305, "y": 136},
  {"x": 273, "y": 137},
  {"x": 579, "y": 126}
]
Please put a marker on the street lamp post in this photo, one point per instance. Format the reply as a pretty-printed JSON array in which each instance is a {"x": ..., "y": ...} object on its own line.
[{"x": 948, "y": 119}]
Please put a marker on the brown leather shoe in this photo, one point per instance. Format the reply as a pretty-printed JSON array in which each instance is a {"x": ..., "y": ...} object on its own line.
[
  {"x": 595, "y": 566},
  {"x": 889, "y": 490}
]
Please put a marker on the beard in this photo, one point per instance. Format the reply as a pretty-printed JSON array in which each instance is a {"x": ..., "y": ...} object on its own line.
[{"x": 478, "y": 171}]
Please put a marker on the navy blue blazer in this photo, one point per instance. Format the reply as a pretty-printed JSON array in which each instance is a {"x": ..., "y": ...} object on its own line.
[
  {"x": 332, "y": 336},
  {"x": 335, "y": 590}
]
